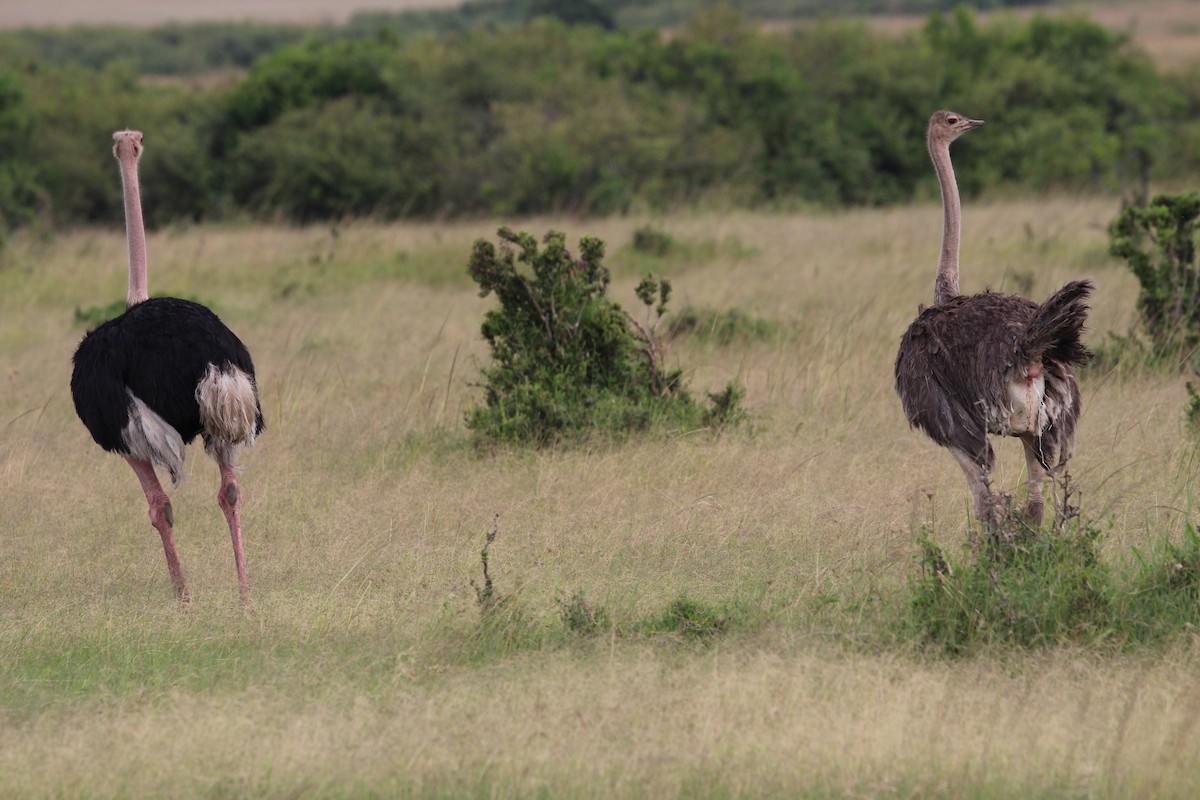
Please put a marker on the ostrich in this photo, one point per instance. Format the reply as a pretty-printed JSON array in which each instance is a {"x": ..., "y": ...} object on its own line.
[
  {"x": 146, "y": 382},
  {"x": 970, "y": 365}
]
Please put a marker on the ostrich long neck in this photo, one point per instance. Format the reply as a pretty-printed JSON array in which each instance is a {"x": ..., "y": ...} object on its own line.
[
  {"x": 135, "y": 230},
  {"x": 946, "y": 285}
]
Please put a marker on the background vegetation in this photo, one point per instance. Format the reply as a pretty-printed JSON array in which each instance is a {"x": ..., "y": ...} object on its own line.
[
  {"x": 794, "y": 608},
  {"x": 679, "y": 615},
  {"x": 519, "y": 117},
  {"x": 566, "y": 360},
  {"x": 190, "y": 49}
]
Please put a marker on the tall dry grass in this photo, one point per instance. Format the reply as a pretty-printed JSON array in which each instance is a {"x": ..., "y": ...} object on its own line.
[{"x": 363, "y": 670}]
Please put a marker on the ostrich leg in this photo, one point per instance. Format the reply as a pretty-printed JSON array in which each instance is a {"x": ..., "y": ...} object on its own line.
[
  {"x": 230, "y": 501},
  {"x": 985, "y": 504},
  {"x": 1035, "y": 505},
  {"x": 162, "y": 519}
]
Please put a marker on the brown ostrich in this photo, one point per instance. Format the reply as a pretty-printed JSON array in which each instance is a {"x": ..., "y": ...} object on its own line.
[{"x": 990, "y": 363}]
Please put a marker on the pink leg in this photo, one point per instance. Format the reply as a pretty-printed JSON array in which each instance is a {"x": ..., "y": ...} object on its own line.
[
  {"x": 230, "y": 500},
  {"x": 162, "y": 519}
]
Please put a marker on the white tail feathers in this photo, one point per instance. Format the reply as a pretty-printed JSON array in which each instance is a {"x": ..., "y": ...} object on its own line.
[
  {"x": 228, "y": 411},
  {"x": 150, "y": 438}
]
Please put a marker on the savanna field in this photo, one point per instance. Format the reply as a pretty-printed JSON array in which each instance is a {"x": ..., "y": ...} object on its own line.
[
  {"x": 365, "y": 666},
  {"x": 756, "y": 611}
]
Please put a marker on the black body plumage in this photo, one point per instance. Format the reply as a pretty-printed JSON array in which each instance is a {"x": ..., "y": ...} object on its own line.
[
  {"x": 958, "y": 358},
  {"x": 159, "y": 350}
]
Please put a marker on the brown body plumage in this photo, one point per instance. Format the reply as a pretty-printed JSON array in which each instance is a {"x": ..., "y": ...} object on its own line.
[{"x": 991, "y": 363}]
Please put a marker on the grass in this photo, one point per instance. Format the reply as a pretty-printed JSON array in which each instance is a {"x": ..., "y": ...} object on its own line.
[{"x": 367, "y": 668}]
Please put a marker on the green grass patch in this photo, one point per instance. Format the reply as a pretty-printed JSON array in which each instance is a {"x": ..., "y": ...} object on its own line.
[
  {"x": 690, "y": 618},
  {"x": 1161, "y": 598},
  {"x": 1032, "y": 588}
]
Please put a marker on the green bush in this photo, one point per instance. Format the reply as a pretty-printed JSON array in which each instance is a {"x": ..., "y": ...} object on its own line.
[
  {"x": 303, "y": 75},
  {"x": 330, "y": 161},
  {"x": 1020, "y": 586},
  {"x": 1027, "y": 587},
  {"x": 19, "y": 195},
  {"x": 566, "y": 360},
  {"x": 1158, "y": 244}
]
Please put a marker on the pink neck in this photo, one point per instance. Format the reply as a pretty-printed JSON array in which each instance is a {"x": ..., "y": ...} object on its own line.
[{"x": 135, "y": 231}]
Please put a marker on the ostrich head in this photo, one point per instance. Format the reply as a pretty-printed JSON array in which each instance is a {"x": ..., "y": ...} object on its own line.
[
  {"x": 946, "y": 126},
  {"x": 127, "y": 143}
]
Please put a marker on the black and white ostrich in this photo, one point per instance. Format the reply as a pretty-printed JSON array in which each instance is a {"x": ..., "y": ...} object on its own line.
[
  {"x": 146, "y": 382},
  {"x": 991, "y": 363}
]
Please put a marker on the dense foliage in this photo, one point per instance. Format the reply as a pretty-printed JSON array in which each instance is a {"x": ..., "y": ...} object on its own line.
[
  {"x": 566, "y": 360},
  {"x": 544, "y": 116},
  {"x": 1158, "y": 243},
  {"x": 198, "y": 48}
]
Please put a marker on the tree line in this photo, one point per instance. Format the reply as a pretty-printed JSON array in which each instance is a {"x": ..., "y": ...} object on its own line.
[
  {"x": 201, "y": 47},
  {"x": 545, "y": 116}
]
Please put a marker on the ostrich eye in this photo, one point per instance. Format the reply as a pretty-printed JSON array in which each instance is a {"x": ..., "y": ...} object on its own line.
[{"x": 952, "y": 120}]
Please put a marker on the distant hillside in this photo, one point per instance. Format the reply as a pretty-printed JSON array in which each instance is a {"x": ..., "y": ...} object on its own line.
[{"x": 148, "y": 13}]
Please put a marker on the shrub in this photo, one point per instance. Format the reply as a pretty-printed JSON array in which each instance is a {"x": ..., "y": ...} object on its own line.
[
  {"x": 330, "y": 161},
  {"x": 725, "y": 407},
  {"x": 301, "y": 75},
  {"x": 1158, "y": 243},
  {"x": 566, "y": 360},
  {"x": 1035, "y": 587},
  {"x": 1021, "y": 585},
  {"x": 19, "y": 188}
]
